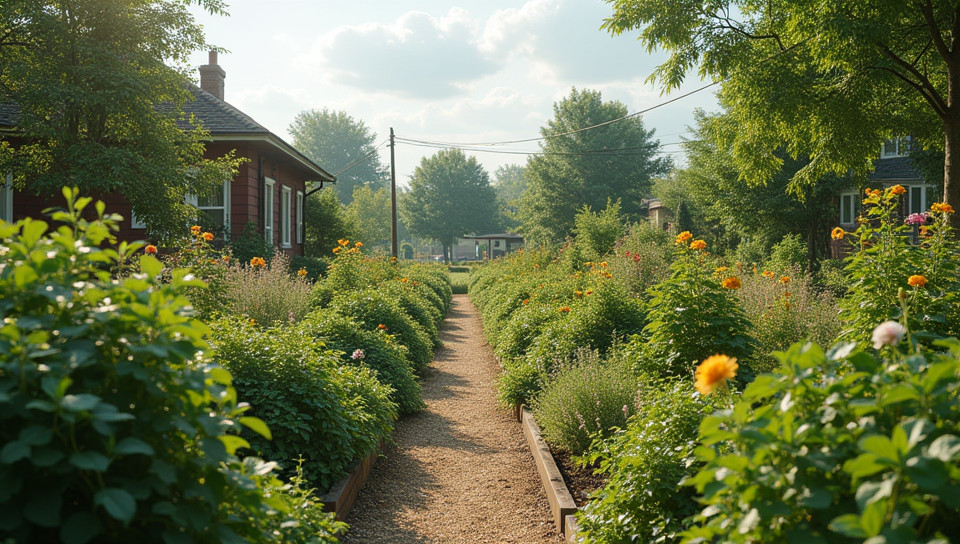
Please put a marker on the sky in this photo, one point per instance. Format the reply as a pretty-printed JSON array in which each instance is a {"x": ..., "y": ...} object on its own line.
[{"x": 455, "y": 71}]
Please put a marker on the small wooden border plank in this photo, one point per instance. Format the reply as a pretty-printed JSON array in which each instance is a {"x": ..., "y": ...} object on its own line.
[
  {"x": 559, "y": 497},
  {"x": 342, "y": 496}
]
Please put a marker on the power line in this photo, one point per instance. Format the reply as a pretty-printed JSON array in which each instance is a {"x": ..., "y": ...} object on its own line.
[{"x": 357, "y": 161}]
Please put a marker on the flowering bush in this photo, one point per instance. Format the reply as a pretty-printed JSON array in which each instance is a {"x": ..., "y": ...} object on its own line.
[
  {"x": 207, "y": 263},
  {"x": 884, "y": 261},
  {"x": 266, "y": 293},
  {"x": 837, "y": 447}
]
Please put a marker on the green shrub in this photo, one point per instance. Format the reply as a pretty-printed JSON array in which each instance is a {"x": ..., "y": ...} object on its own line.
[
  {"x": 520, "y": 381},
  {"x": 642, "y": 500},
  {"x": 250, "y": 244},
  {"x": 459, "y": 282},
  {"x": 525, "y": 325},
  {"x": 379, "y": 352},
  {"x": 642, "y": 259},
  {"x": 691, "y": 317},
  {"x": 596, "y": 234},
  {"x": 418, "y": 308},
  {"x": 434, "y": 277},
  {"x": 330, "y": 414},
  {"x": 316, "y": 267},
  {"x": 586, "y": 400},
  {"x": 379, "y": 312},
  {"x": 268, "y": 295},
  {"x": 351, "y": 270},
  {"x": 837, "y": 447},
  {"x": 206, "y": 263},
  {"x": 113, "y": 424},
  {"x": 788, "y": 255}
]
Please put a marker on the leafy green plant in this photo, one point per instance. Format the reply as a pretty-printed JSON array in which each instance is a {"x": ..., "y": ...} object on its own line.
[
  {"x": 644, "y": 464},
  {"x": 316, "y": 267},
  {"x": 642, "y": 258},
  {"x": 379, "y": 352},
  {"x": 250, "y": 244},
  {"x": 207, "y": 263},
  {"x": 691, "y": 316},
  {"x": 585, "y": 401},
  {"x": 329, "y": 414},
  {"x": 837, "y": 447},
  {"x": 114, "y": 424}
]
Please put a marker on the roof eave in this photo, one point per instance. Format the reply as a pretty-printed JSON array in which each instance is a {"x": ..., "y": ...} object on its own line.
[{"x": 270, "y": 138}]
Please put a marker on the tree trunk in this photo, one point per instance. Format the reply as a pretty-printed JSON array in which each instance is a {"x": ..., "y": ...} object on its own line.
[{"x": 951, "y": 166}]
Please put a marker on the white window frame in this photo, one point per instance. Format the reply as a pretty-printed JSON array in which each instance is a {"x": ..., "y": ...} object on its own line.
[
  {"x": 901, "y": 147},
  {"x": 286, "y": 203},
  {"x": 268, "y": 192},
  {"x": 299, "y": 217},
  {"x": 850, "y": 201},
  {"x": 225, "y": 209},
  {"x": 923, "y": 188},
  {"x": 6, "y": 211}
]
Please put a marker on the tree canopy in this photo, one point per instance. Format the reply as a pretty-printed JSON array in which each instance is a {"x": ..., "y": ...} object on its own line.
[
  {"x": 97, "y": 106},
  {"x": 828, "y": 79},
  {"x": 592, "y": 151},
  {"x": 341, "y": 144},
  {"x": 450, "y": 196},
  {"x": 325, "y": 222},
  {"x": 371, "y": 214},
  {"x": 509, "y": 184}
]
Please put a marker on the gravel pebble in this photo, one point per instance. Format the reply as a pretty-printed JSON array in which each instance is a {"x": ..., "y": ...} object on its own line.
[{"x": 460, "y": 471}]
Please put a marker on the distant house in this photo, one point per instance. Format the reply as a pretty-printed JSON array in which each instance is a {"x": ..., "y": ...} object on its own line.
[
  {"x": 491, "y": 246},
  {"x": 893, "y": 167},
  {"x": 268, "y": 191},
  {"x": 659, "y": 215}
]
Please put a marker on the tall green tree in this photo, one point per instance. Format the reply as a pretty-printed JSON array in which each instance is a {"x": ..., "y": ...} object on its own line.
[
  {"x": 509, "y": 184},
  {"x": 592, "y": 152},
  {"x": 371, "y": 215},
  {"x": 325, "y": 222},
  {"x": 829, "y": 78},
  {"x": 450, "y": 196},
  {"x": 343, "y": 145},
  {"x": 98, "y": 107}
]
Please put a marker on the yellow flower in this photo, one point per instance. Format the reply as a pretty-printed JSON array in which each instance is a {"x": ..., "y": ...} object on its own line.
[
  {"x": 917, "y": 281},
  {"x": 603, "y": 264},
  {"x": 837, "y": 233},
  {"x": 683, "y": 237},
  {"x": 358, "y": 244},
  {"x": 767, "y": 274},
  {"x": 588, "y": 263},
  {"x": 941, "y": 207},
  {"x": 195, "y": 230},
  {"x": 150, "y": 249},
  {"x": 302, "y": 272},
  {"x": 714, "y": 371},
  {"x": 208, "y": 236},
  {"x": 698, "y": 245},
  {"x": 898, "y": 190},
  {"x": 578, "y": 294},
  {"x": 258, "y": 262},
  {"x": 336, "y": 250},
  {"x": 784, "y": 279},
  {"x": 732, "y": 282},
  {"x": 343, "y": 241}
]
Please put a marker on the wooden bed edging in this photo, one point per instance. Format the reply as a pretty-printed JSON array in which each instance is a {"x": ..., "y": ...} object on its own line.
[
  {"x": 559, "y": 497},
  {"x": 343, "y": 494}
]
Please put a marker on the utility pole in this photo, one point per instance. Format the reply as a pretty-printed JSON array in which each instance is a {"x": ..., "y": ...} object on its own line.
[{"x": 393, "y": 196}]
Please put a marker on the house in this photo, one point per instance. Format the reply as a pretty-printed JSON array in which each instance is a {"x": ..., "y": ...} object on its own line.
[
  {"x": 893, "y": 167},
  {"x": 268, "y": 190},
  {"x": 491, "y": 246},
  {"x": 659, "y": 215}
]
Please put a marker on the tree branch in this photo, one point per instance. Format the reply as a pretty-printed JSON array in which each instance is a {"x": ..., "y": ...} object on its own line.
[
  {"x": 926, "y": 8},
  {"x": 928, "y": 93}
]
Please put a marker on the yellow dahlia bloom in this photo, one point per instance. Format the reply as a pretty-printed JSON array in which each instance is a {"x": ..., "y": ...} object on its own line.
[
  {"x": 732, "y": 282},
  {"x": 683, "y": 237},
  {"x": 714, "y": 371},
  {"x": 837, "y": 233},
  {"x": 916, "y": 281}
]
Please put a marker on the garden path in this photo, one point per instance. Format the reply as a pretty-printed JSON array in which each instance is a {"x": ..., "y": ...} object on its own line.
[{"x": 460, "y": 471}]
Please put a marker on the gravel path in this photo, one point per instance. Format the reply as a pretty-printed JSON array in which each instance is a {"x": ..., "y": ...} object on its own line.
[{"x": 460, "y": 470}]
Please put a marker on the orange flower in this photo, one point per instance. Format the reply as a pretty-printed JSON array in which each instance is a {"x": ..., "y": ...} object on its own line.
[
  {"x": 526, "y": 301},
  {"x": 941, "y": 207},
  {"x": 589, "y": 292},
  {"x": 603, "y": 264},
  {"x": 714, "y": 371},
  {"x": 565, "y": 309},
  {"x": 698, "y": 245},
  {"x": 837, "y": 233},
  {"x": 578, "y": 294},
  {"x": 732, "y": 282},
  {"x": 302, "y": 272},
  {"x": 258, "y": 262},
  {"x": 150, "y": 249},
  {"x": 195, "y": 230},
  {"x": 393, "y": 259},
  {"x": 336, "y": 250},
  {"x": 767, "y": 274},
  {"x": 381, "y": 327},
  {"x": 784, "y": 279},
  {"x": 226, "y": 258},
  {"x": 343, "y": 241},
  {"x": 683, "y": 237},
  {"x": 786, "y": 305},
  {"x": 404, "y": 280},
  {"x": 787, "y": 294},
  {"x": 917, "y": 281},
  {"x": 358, "y": 244},
  {"x": 898, "y": 190},
  {"x": 208, "y": 236}
]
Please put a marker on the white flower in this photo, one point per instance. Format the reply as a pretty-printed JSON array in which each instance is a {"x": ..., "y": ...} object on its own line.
[{"x": 888, "y": 333}]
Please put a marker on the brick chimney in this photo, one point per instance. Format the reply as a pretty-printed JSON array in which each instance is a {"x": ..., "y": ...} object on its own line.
[{"x": 212, "y": 77}]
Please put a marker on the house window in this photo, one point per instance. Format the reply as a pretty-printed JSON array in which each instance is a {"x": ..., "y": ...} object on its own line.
[
  {"x": 268, "y": 185},
  {"x": 299, "y": 225},
  {"x": 897, "y": 147},
  {"x": 6, "y": 199},
  {"x": 285, "y": 216},
  {"x": 919, "y": 197},
  {"x": 849, "y": 208},
  {"x": 215, "y": 211},
  {"x": 496, "y": 243}
]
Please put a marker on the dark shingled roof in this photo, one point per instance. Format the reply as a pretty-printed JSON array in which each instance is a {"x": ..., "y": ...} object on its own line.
[
  {"x": 217, "y": 116},
  {"x": 9, "y": 114},
  {"x": 894, "y": 169}
]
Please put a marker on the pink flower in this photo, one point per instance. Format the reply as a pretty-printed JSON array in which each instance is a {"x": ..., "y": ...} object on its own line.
[
  {"x": 888, "y": 333},
  {"x": 917, "y": 218},
  {"x": 357, "y": 354}
]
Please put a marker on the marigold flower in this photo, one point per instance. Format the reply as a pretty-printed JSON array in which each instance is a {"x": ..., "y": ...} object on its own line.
[
  {"x": 150, "y": 249},
  {"x": 565, "y": 309},
  {"x": 683, "y": 237},
  {"x": 393, "y": 259},
  {"x": 603, "y": 264},
  {"x": 916, "y": 281},
  {"x": 578, "y": 294},
  {"x": 714, "y": 371},
  {"x": 195, "y": 230},
  {"x": 588, "y": 263},
  {"x": 732, "y": 282},
  {"x": 589, "y": 292},
  {"x": 698, "y": 245},
  {"x": 837, "y": 233},
  {"x": 721, "y": 269},
  {"x": 336, "y": 250},
  {"x": 526, "y": 301},
  {"x": 404, "y": 280},
  {"x": 258, "y": 262},
  {"x": 941, "y": 207},
  {"x": 888, "y": 333},
  {"x": 898, "y": 190},
  {"x": 226, "y": 258},
  {"x": 767, "y": 274},
  {"x": 208, "y": 236},
  {"x": 358, "y": 244},
  {"x": 784, "y": 279},
  {"x": 343, "y": 241},
  {"x": 381, "y": 327},
  {"x": 302, "y": 272}
]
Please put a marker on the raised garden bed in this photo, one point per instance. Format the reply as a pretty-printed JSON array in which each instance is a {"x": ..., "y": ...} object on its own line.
[
  {"x": 561, "y": 501},
  {"x": 342, "y": 496}
]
